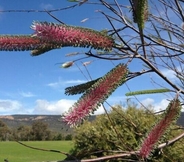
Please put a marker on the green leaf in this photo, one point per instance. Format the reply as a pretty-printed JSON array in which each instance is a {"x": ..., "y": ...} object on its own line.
[
  {"x": 147, "y": 92},
  {"x": 81, "y": 88}
]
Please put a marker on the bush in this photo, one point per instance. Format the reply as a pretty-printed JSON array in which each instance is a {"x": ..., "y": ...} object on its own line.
[{"x": 122, "y": 130}]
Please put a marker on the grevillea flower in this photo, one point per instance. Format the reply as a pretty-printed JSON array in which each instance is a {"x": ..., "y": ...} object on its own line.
[
  {"x": 24, "y": 43},
  {"x": 140, "y": 12},
  {"x": 72, "y": 36},
  {"x": 172, "y": 112},
  {"x": 18, "y": 43},
  {"x": 96, "y": 95}
]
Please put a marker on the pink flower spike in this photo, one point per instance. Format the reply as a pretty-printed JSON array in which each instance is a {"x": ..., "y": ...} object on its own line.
[
  {"x": 18, "y": 42},
  {"x": 25, "y": 43},
  {"x": 96, "y": 95},
  {"x": 72, "y": 36},
  {"x": 172, "y": 111}
]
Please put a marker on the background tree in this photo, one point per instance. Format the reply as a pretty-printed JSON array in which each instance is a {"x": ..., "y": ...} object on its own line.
[
  {"x": 23, "y": 133},
  {"x": 40, "y": 131},
  {"x": 68, "y": 137},
  {"x": 58, "y": 136},
  {"x": 4, "y": 131}
]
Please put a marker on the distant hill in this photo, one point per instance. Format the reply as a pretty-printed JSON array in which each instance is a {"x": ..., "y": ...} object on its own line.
[{"x": 54, "y": 121}]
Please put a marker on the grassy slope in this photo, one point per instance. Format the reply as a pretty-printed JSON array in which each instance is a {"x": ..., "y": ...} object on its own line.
[{"x": 15, "y": 152}]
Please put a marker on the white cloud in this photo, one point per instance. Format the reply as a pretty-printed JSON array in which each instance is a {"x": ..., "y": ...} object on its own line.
[
  {"x": 57, "y": 107},
  {"x": 54, "y": 84},
  {"x": 53, "y": 107},
  {"x": 157, "y": 106},
  {"x": 11, "y": 107},
  {"x": 116, "y": 99},
  {"x": 26, "y": 94},
  {"x": 148, "y": 101},
  {"x": 61, "y": 83},
  {"x": 171, "y": 74},
  {"x": 46, "y": 6},
  {"x": 161, "y": 105},
  {"x": 75, "y": 81},
  {"x": 100, "y": 110}
]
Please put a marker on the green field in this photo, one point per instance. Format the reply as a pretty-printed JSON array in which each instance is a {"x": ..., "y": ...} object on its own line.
[{"x": 15, "y": 152}]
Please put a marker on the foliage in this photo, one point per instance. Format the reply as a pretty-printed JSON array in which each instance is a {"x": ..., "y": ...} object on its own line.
[
  {"x": 37, "y": 131},
  {"x": 121, "y": 130},
  {"x": 58, "y": 137},
  {"x": 23, "y": 133},
  {"x": 101, "y": 134},
  {"x": 4, "y": 131},
  {"x": 40, "y": 131},
  {"x": 68, "y": 137}
]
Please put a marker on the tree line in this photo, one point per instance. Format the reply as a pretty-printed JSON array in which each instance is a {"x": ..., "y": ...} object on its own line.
[{"x": 38, "y": 131}]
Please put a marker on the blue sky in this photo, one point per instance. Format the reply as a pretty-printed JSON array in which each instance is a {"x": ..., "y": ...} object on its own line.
[{"x": 35, "y": 85}]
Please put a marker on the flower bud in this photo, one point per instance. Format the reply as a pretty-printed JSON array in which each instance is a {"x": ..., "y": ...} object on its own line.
[{"x": 67, "y": 64}]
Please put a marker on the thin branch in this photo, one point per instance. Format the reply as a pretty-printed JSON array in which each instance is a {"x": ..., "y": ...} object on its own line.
[
  {"x": 54, "y": 17},
  {"x": 170, "y": 142},
  {"x": 161, "y": 75},
  {"x": 41, "y": 149},
  {"x": 32, "y": 10}
]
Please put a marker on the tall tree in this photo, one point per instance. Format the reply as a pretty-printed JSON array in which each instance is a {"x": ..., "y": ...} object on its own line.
[
  {"x": 4, "y": 131},
  {"x": 40, "y": 131},
  {"x": 23, "y": 133}
]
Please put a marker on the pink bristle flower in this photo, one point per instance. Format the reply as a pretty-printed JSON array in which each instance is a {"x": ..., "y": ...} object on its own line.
[
  {"x": 96, "y": 95},
  {"x": 24, "y": 43},
  {"x": 72, "y": 36},
  {"x": 172, "y": 111},
  {"x": 18, "y": 42}
]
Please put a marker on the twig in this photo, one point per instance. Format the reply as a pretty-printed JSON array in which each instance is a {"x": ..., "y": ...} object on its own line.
[{"x": 41, "y": 149}]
